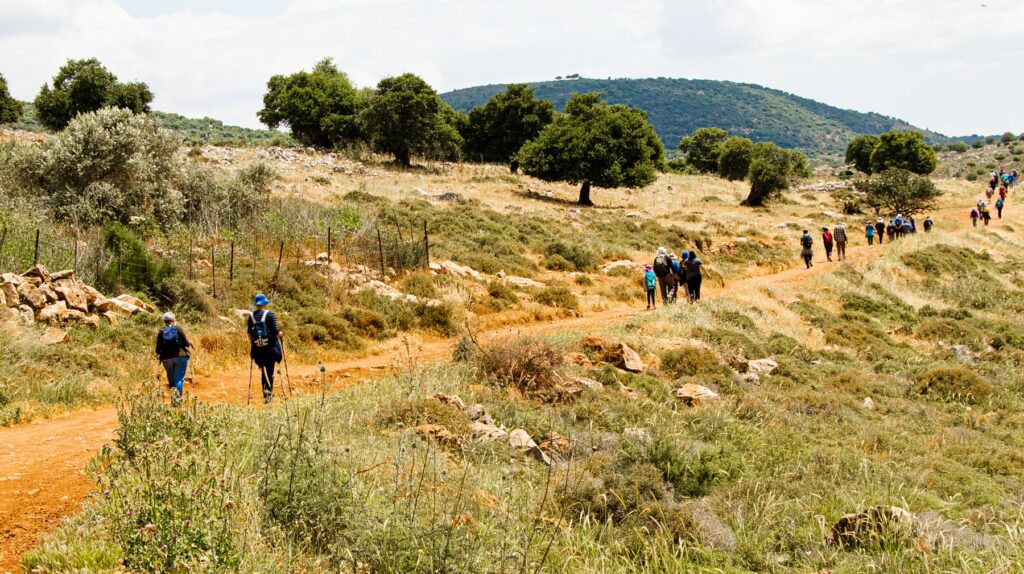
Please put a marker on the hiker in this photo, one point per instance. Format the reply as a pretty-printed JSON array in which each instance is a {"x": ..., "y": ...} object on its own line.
[
  {"x": 891, "y": 231},
  {"x": 928, "y": 224},
  {"x": 663, "y": 269},
  {"x": 839, "y": 235},
  {"x": 986, "y": 216},
  {"x": 172, "y": 350},
  {"x": 265, "y": 343},
  {"x": 974, "y": 217},
  {"x": 880, "y": 229},
  {"x": 869, "y": 232},
  {"x": 826, "y": 238},
  {"x": 898, "y": 225},
  {"x": 1002, "y": 193},
  {"x": 650, "y": 283},
  {"x": 907, "y": 228},
  {"x": 673, "y": 287},
  {"x": 999, "y": 207},
  {"x": 694, "y": 276},
  {"x": 807, "y": 248}
]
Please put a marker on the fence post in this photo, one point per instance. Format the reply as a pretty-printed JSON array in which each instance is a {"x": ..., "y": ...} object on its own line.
[
  {"x": 213, "y": 269},
  {"x": 398, "y": 225},
  {"x": 74, "y": 262},
  {"x": 380, "y": 249},
  {"x": 99, "y": 259},
  {"x": 426, "y": 243},
  {"x": 120, "y": 275},
  {"x": 344, "y": 250},
  {"x": 231, "y": 268},
  {"x": 189, "y": 257},
  {"x": 328, "y": 244},
  {"x": 35, "y": 258},
  {"x": 280, "y": 256}
]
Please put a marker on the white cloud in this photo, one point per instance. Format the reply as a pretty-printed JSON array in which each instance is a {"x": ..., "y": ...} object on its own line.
[{"x": 943, "y": 64}]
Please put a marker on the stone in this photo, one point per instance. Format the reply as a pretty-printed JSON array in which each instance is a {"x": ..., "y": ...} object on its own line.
[
  {"x": 621, "y": 264},
  {"x": 39, "y": 272},
  {"x": 54, "y": 336},
  {"x": 554, "y": 442},
  {"x": 520, "y": 439},
  {"x": 74, "y": 298},
  {"x": 451, "y": 400},
  {"x": 715, "y": 534},
  {"x": 482, "y": 431},
  {"x": 91, "y": 320},
  {"x": 523, "y": 282},
  {"x": 852, "y": 530},
  {"x": 110, "y": 317},
  {"x": 51, "y": 295},
  {"x": 91, "y": 295},
  {"x": 589, "y": 384},
  {"x": 32, "y": 295},
  {"x": 764, "y": 366},
  {"x": 593, "y": 341},
  {"x": 578, "y": 359},
  {"x": 55, "y": 313},
  {"x": 117, "y": 307},
  {"x": 963, "y": 354},
  {"x": 11, "y": 279},
  {"x": 478, "y": 413},
  {"x": 9, "y": 315},
  {"x": 868, "y": 404},
  {"x": 66, "y": 274},
  {"x": 637, "y": 434},
  {"x": 27, "y": 315},
  {"x": 631, "y": 360},
  {"x": 456, "y": 270},
  {"x": 439, "y": 434},
  {"x": 738, "y": 363},
  {"x": 135, "y": 301},
  {"x": 693, "y": 395},
  {"x": 751, "y": 378},
  {"x": 10, "y": 291}
]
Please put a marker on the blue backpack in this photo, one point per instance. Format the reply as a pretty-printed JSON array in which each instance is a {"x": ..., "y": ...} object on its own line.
[
  {"x": 260, "y": 333},
  {"x": 171, "y": 339}
]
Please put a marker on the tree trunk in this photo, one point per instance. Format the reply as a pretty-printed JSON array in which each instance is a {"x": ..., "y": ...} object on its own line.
[
  {"x": 585, "y": 194},
  {"x": 755, "y": 198},
  {"x": 403, "y": 157},
  {"x": 514, "y": 166}
]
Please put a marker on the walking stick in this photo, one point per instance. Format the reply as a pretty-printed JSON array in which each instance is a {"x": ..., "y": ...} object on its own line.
[
  {"x": 287, "y": 377},
  {"x": 248, "y": 397}
]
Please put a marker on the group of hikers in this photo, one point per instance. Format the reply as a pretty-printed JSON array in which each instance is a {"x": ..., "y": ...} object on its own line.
[
  {"x": 999, "y": 184},
  {"x": 668, "y": 272},
  {"x": 173, "y": 349},
  {"x": 837, "y": 238}
]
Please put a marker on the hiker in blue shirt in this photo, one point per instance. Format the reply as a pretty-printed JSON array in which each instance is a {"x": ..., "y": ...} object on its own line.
[
  {"x": 172, "y": 350},
  {"x": 265, "y": 343},
  {"x": 651, "y": 284}
]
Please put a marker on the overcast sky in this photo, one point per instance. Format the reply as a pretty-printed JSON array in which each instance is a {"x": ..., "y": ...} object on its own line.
[{"x": 946, "y": 65}]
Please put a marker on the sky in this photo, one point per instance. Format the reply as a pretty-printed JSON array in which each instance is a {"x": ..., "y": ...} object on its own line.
[{"x": 945, "y": 65}]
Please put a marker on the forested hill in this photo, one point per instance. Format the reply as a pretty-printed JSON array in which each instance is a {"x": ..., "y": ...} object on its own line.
[{"x": 676, "y": 107}]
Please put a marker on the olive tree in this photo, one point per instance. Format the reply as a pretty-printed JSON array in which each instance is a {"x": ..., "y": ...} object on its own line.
[
  {"x": 772, "y": 171},
  {"x": 404, "y": 117},
  {"x": 903, "y": 150},
  {"x": 595, "y": 144},
  {"x": 10, "y": 108},
  {"x": 320, "y": 108},
  {"x": 83, "y": 86},
  {"x": 497, "y": 130},
  {"x": 898, "y": 190},
  {"x": 734, "y": 158},
  {"x": 859, "y": 150},
  {"x": 701, "y": 148}
]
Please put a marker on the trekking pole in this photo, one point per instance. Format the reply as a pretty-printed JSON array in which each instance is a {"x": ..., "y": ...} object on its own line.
[
  {"x": 248, "y": 397},
  {"x": 287, "y": 378}
]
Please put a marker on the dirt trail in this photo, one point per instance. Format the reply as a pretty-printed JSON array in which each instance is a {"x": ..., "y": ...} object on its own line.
[{"x": 41, "y": 464}]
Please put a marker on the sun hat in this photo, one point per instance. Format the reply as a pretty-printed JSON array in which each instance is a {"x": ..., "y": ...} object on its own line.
[
  {"x": 661, "y": 251},
  {"x": 647, "y": 267},
  {"x": 168, "y": 317},
  {"x": 260, "y": 300}
]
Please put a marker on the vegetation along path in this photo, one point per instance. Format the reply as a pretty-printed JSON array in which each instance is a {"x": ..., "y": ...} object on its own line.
[{"x": 42, "y": 465}]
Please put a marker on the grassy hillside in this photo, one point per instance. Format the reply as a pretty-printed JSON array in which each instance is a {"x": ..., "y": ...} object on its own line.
[
  {"x": 676, "y": 107},
  {"x": 193, "y": 130}
]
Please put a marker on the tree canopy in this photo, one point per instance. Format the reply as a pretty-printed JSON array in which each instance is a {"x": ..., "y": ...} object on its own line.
[
  {"x": 320, "y": 107},
  {"x": 858, "y": 152},
  {"x": 10, "y": 108},
  {"x": 898, "y": 191},
  {"x": 772, "y": 170},
  {"x": 904, "y": 150},
  {"x": 734, "y": 158},
  {"x": 406, "y": 117},
  {"x": 82, "y": 86},
  {"x": 595, "y": 143},
  {"x": 702, "y": 147},
  {"x": 498, "y": 129}
]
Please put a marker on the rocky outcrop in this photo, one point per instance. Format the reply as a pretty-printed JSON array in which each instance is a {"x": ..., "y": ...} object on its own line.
[
  {"x": 61, "y": 298},
  {"x": 693, "y": 395}
]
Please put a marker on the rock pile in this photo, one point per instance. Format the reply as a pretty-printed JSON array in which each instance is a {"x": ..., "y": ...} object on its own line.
[{"x": 60, "y": 298}]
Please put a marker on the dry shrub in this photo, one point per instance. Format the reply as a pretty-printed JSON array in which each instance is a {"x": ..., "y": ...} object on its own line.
[
  {"x": 529, "y": 366},
  {"x": 954, "y": 384},
  {"x": 415, "y": 412}
]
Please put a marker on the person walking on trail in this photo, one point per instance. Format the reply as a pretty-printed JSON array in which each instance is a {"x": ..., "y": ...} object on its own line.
[
  {"x": 986, "y": 215},
  {"x": 1002, "y": 193},
  {"x": 907, "y": 229},
  {"x": 172, "y": 350},
  {"x": 869, "y": 232},
  {"x": 673, "y": 287},
  {"x": 826, "y": 239},
  {"x": 694, "y": 276},
  {"x": 265, "y": 343},
  {"x": 807, "y": 248},
  {"x": 839, "y": 235},
  {"x": 898, "y": 225},
  {"x": 663, "y": 269},
  {"x": 999, "y": 207},
  {"x": 650, "y": 284},
  {"x": 880, "y": 229},
  {"x": 974, "y": 217},
  {"x": 928, "y": 224}
]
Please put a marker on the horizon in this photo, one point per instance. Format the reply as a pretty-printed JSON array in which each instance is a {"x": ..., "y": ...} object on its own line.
[{"x": 850, "y": 57}]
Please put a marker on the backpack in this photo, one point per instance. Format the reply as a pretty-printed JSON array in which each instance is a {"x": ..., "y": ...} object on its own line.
[
  {"x": 171, "y": 340},
  {"x": 806, "y": 241},
  {"x": 258, "y": 330},
  {"x": 661, "y": 266},
  {"x": 827, "y": 237}
]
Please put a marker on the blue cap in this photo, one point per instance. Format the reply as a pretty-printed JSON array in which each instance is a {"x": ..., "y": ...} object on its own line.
[{"x": 260, "y": 300}]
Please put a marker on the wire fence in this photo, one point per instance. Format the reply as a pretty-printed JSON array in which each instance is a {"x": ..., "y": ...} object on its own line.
[{"x": 216, "y": 265}]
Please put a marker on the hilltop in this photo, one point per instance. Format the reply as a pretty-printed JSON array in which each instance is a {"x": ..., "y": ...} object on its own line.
[{"x": 676, "y": 107}]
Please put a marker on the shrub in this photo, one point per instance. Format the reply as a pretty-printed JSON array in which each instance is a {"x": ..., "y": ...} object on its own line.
[
  {"x": 502, "y": 292},
  {"x": 954, "y": 384},
  {"x": 415, "y": 412},
  {"x": 319, "y": 325},
  {"x": 421, "y": 284},
  {"x": 692, "y": 469},
  {"x": 607, "y": 489},
  {"x": 527, "y": 365},
  {"x": 690, "y": 361},
  {"x": 580, "y": 258},
  {"x": 443, "y": 318},
  {"x": 558, "y": 296},
  {"x": 583, "y": 281},
  {"x": 134, "y": 269}
]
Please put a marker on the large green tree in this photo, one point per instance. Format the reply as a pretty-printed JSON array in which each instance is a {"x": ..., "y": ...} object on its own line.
[
  {"x": 498, "y": 129},
  {"x": 10, "y": 108},
  {"x": 773, "y": 170},
  {"x": 82, "y": 86},
  {"x": 595, "y": 144},
  {"x": 734, "y": 158},
  {"x": 321, "y": 108},
  {"x": 903, "y": 150},
  {"x": 858, "y": 152},
  {"x": 702, "y": 147},
  {"x": 406, "y": 117},
  {"x": 898, "y": 191}
]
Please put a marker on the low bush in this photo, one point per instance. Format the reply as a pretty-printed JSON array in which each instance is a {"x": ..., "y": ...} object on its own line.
[
  {"x": 415, "y": 412},
  {"x": 526, "y": 365},
  {"x": 692, "y": 469},
  {"x": 577, "y": 257},
  {"x": 558, "y": 296},
  {"x": 691, "y": 361},
  {"x": 954, "y": 384},
  {"x": 421, "y": 284}
]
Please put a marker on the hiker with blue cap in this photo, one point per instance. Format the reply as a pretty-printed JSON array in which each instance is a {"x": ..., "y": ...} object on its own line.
[
  {"x": 265, "y": 344},
  {"x": 172, "y": 350}
]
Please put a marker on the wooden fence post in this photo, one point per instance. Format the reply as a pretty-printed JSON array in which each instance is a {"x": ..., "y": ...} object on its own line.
[
  {"x": 231, "y": 265},
  {"x": 380, "y": 249},
  {"x": 99, "y": 260},
  {"x": 74, "y": 261},
  {"x": 280, "y": 256},
  {"x": 213, "y": 269},
  {"x": 328, "y": 244},
  {"x": 35, "y": 258},
  {"x": 189, "y": 257},
  {"x": 426, "y": 243}
]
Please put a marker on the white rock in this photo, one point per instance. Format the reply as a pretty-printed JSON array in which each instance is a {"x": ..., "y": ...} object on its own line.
[
  {"x": 54, "y": 336},
  {"x": 631, "y": 360},
  {"x": 766, "y": 366},
  {"x": 523, "y": 282},
  {"x": 868, "y": 404},
  {"x": 694, "y": 395}
]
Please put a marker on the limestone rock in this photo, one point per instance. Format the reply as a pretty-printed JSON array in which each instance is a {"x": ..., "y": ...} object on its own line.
[
  {"x": 715, "y": 533},
  {"x": 589, "y": 384},
  {"x": 868, "y": 404},
  {"x": 135, "y": 301},
  {"x": 10, "y": 291},
  {"x": 520, "y": 440},
  {"x": 38, "y": 272},
  {"x": 621, "y": 264},
  {"x": 963, "y": 354},
  {"x": 27, "y": 315},
  {"x": 75, "y": 298},
  {"x": 456, "y": 270},
  {"x": 451, "y": 400},
  {"x": 554, "y": 442},
  {"x": 523, "y": 282},
  {"x": 66, "y": 274},
  {"x": 117, "y": 307},
  {"x": 853, "y": 530},
  {"x": 693, "y": 395},
  {"x": 54, "y": 336},
  {"x": 91, "y": 295},
  {"x": 55, "y": 313},
  {"x": 631, "y": 360},
  {"x": 32, "y": 295},
  {"x": 751, "y": 378},
  {"x": 764, "y": 366},
  {"x": 482, "y": 431},
  {"x": 478, "y": 413},
  {"x": 637, "y": 434},
  {"x": 439, "y": 434}
]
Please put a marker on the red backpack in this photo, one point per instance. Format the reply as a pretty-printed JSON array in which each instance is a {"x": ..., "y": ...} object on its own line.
[{"x": 826, "y": 237}]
